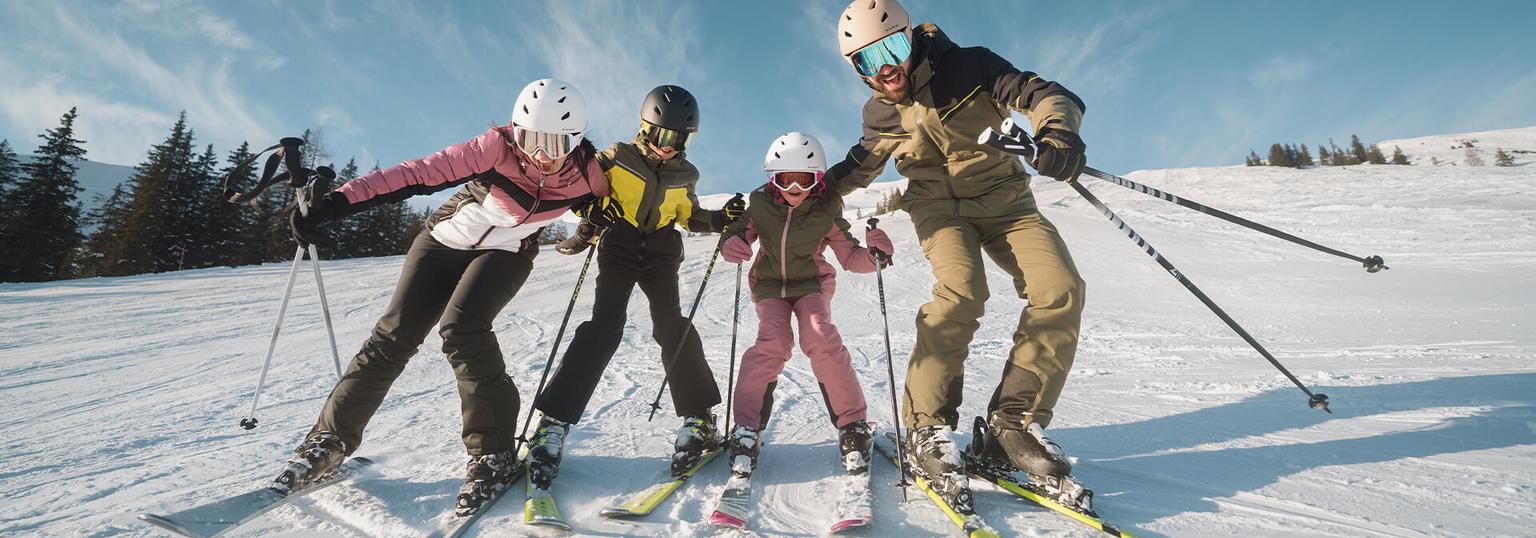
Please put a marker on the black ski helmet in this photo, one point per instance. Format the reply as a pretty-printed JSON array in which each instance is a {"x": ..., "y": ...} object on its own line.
[{"x": 671, "y": 107}]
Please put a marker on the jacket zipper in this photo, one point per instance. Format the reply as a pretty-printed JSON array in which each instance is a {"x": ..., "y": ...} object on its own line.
[
  {"x": 783, "y": 254},
  {"x": 538, "y": 195}
]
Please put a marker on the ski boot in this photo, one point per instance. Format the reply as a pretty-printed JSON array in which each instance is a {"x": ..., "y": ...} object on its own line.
[
  {"x": 696, "y": 437},
  {"x": 485, "y": 476},
  {"x": 743, "y": 448},
  {"x": 1008, "y": 444},
  {"x": 933, "y": 456},
  {"x": 1022, "y": 443},
  {"x": 544, "y": 452},
  {"x": 855, "y": 439},
  {"x": 316, "y": 457}
]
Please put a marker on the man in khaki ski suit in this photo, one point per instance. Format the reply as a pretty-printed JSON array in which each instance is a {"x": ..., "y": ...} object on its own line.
[{"x": 930, "y": 100}]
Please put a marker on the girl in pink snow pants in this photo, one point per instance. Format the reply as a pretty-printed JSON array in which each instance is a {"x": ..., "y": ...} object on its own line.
[{"x": 794, "y": 218}]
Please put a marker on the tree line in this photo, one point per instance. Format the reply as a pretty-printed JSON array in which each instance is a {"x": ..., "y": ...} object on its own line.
[
  {"x": 1297, "y": 156},
  {"x": 169, "y": 215}
]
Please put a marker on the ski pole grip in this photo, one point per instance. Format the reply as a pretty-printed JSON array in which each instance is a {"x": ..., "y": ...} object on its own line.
[{"x": 872, "y": 222}]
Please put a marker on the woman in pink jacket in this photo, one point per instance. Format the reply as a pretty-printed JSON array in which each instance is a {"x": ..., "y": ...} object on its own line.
[
  {"x": 794, "y": 218},
  {"x": 476, "y": 252}
]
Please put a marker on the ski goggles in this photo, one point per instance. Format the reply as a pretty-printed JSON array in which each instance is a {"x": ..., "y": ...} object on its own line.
[
  {"x": 663, "y": 137},
  {"x": 555, "y": 145},
  {"x": 795, "y": 181},
  {"x": 892, "y": 50}
]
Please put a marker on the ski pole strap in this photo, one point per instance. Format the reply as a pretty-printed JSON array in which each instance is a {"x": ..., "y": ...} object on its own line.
[
  {"x": 1371, "y": 263},
  {"x": 286, "y": 152}
]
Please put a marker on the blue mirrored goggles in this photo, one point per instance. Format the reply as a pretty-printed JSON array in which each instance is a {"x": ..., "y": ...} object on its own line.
[{"x": 892, "y": 50}]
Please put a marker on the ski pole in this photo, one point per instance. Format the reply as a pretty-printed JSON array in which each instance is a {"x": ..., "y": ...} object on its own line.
[
  {"x": 1371, "y": 263},
  {"x": 554, "y": 348},
  {"x": 890, "y": 367},
  {"x": 305, "y": 196},
  {"x": 666, "y": 367},
  {"x": 1014, "y": 143},
  {"x": 249, "y": 422},
  {"x": 730, "y": 383}
]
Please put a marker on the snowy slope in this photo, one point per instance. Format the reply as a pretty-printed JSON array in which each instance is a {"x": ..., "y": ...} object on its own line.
[{"x": 123, "y": 394}]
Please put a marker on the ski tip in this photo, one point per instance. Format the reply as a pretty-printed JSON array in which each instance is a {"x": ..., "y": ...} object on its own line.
[
  {"x": 722, "y": 519},
  {"x": 853, "y": 523},
  {"x": 619, "y": 513},
  {"x": 163, "y": 523}
]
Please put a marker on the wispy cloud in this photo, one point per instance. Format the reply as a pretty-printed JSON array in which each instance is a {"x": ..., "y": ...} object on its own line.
[
  {"x": 1280, "y": 70},
  {"x": 114, "y": 132},
  {"x": 1102, "y": 57}
]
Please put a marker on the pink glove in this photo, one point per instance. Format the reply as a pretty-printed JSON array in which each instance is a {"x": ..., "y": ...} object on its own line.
[
  {"x": 736, "y": 250},
  {"x": 876, "y": 239}
]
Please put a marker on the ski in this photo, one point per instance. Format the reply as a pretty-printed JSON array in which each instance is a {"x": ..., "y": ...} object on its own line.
[
  {"x": 540, "y": 509},
  {"x": 734, "y": 504},
  {"x": 969, "y": 522},
  {"x": 457, "y": 525},
  {"x": 647, "y": 500},
  {"x": 1033, "y": 492},
  {"x": 224, "y": 515},
  {"x": 854, "y": 504}
]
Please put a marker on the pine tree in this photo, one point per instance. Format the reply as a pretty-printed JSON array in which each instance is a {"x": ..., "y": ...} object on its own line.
[
  {"x": 39, "y": 237},
  {"x": 1253, "y": 159},
  {"x": 10, "y": 173},
  {"x": 1357, "y": 150},
  {"x": 1323, "y": 157},
  {"x": 1374, "y": 155},
  {"x": 414, "y": 226},
  {"x": 146, "y": 233},
  {"x": 108, "y": 219},
  {"x": 1501, "y": 158},
  {"x": 1304, "y": 157},
  {"x": 229, "y": 224},
  {"x": 554, "y": 233},
  {"x": 1278, "y": 156},
  {"x": 1398, "y": 157}
]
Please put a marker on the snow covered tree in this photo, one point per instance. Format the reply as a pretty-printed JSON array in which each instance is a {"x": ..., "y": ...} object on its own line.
[
  {"x": 42, "y": 230},
  {"x": 1473, "y": 159},
  {"x": 1502, "y": 158},
  {"x": 1398, "y": 157},
  {"x": 554, "y": 233},
  {"x": 1374, "y": 155}
]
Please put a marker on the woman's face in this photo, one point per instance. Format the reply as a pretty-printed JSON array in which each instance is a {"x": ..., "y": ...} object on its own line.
[
  {"x": 663, "y": 153},
  {"x": 545, "y": 164}
]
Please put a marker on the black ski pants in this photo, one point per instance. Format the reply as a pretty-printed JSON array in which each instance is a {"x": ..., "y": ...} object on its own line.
[
  {"x": 625, "y": 258},
  {"x": 461, "y": 292}
]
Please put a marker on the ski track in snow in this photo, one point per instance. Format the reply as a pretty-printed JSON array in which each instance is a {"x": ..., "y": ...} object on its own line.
[{"x": 123, "y": 394}]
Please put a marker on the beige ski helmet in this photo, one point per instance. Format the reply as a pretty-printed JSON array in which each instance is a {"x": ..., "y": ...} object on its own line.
[{"x": 868, "y": 21}]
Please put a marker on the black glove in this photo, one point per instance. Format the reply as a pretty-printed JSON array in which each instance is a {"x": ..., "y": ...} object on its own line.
[
  {"x": 603, "y": 212},
  {"x": 306, "y": 229},
  {"x": 734, "y": 209},
  {"x": 1060, "y": 154},
  {"x": 578, "y": 241}
]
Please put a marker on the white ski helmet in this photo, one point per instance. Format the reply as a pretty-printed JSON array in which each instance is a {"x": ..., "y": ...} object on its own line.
[
  {"x": 868, "y": 21},
  {"x": 549, "y": 115},
  {"x": 795, "y": 152}
]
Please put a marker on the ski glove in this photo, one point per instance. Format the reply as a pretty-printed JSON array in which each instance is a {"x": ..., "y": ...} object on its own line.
[
  {"x": 736, "y": 250},
  {"x": 1060, "y": 154},
  {"x": 733, "y": 209},
  {"x": 585, "y": 235},
  {"x": 603, "y": 212},
  {"x": 306, "y": 229},
  {"x": 881, "y": 244}
]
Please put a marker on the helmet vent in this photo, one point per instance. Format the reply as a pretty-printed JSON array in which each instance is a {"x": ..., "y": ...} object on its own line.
[
  {"x": 541, "y": 84},
  {"x": 846, "y": 34},
  {"x": 776, "y": 155},
  {"x": 562, "y": 99},
  {"x": 884, "y": 16},
  {"x": 805, "y": 142},
  {"x": 871, "y": 4},
  {"x": 657, "y": 109},
  {"x": 811, "y": 156},
  {"x": 525, "y": 109},
  {"x": 566, "y": 116}
]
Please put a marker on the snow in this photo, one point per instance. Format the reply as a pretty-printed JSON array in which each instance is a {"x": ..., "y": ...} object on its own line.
[{"x": 122, "y": 395}]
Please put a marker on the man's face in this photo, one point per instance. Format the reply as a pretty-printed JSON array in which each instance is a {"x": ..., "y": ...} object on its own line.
[
  {"x": 663, "y": 153},
  {"x": 892, "y": 82}
]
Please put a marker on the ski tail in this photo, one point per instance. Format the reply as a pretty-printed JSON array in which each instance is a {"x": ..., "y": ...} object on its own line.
[
  {"x": 647, "y": 500},
  {"x": 971, "y": 523}
]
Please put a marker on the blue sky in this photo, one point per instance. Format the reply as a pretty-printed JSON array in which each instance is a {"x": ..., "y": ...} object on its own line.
[{"x": 1168, "y": 84}]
